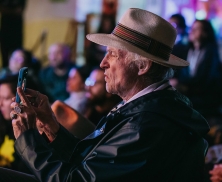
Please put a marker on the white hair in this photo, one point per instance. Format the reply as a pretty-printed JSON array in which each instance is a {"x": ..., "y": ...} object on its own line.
[{"x": 157, "y": 72}]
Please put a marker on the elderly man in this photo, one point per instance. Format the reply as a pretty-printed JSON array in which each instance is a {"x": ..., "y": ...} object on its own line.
[{"x": 153, "y": 135}]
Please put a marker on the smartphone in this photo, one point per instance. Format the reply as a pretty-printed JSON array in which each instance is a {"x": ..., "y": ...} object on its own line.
[{"x": 21, "y": 81}]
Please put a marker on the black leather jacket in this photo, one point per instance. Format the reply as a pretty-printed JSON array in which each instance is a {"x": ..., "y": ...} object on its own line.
[{"x": 157, "y": 137}]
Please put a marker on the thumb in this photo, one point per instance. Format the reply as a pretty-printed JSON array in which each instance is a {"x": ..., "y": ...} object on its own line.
[{"x": 40, "y": 126}]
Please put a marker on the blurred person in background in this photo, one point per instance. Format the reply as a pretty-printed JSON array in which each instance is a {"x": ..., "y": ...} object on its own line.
[
  {"x": 23, "y": 58},
  {"x": 181, "y": 44},
  {"x": 100, "y": 101},
  {"x": 201, "y": 81},
  {"x": 53, "y": 77},
  {"x": 179, "y": 23},
  {"x": 95, "y": 52},
  {"x": 8, "y": 157},
  {"x": 75, "y": 86}
]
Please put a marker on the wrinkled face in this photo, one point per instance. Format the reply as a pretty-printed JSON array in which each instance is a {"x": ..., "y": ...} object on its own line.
[
  {"x": 5, "y": 100},
  {"x": 74, "y": 82},
  {"x": 95, "y": 86},
  {"x": 56, "y": 55},
  {"x": 196, "y": 32},
  {"x": 119, "y": 76},
  {"x": 16, "y": 61}
]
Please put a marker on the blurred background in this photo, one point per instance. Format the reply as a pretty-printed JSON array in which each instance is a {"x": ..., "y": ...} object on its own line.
[
  {"x": 49, "y": 37},
  {"x": 67, "y": 21}
]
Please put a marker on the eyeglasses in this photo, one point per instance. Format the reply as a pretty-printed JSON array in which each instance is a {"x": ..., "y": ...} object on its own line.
[{"x": 89, "y": 82}]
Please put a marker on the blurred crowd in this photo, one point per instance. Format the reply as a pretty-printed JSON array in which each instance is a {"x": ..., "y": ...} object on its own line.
[
  {"x": 84, "y": 88},
  {"x": 201, "y": 82}
]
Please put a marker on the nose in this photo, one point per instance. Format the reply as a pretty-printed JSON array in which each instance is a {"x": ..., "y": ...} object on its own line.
[{"x": 104, "y": 64}]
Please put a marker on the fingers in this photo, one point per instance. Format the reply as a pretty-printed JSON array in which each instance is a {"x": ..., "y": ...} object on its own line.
[
  {"x": 18, "y": 109},
  {"x": 42, "y": 114},
  {"x": 30, "y": 92},
  {"x": 23, "y": 115},
  {"x": 23, "y": 97},
  {"x": 18, "y": 128},
  {"x": 29, "y": 97},
  {"x": 13, "y": 116},
  {"x": 18, "y": 124},
  {"x": 34, "y": 94},
  {"x": 40, "y": 126},
  {"x": 13, "y": 105},
  {"x": 35, "y": 98},
  {"x": 26, "y": 114},
  {"x": 20, "y": 118},
  {"x": 13, "y": 99}
]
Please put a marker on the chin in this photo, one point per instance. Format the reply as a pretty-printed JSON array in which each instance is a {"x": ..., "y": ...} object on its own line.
[
  {"x": 110, "y": 90},
  {"x": 107, "y": 88}
]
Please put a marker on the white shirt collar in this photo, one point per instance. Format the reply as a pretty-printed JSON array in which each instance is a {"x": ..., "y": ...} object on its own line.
[{"x": 151, "y": 88}]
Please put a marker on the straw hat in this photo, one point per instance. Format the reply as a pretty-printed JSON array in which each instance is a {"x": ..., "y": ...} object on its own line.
[{"x": 144, "y": 33}]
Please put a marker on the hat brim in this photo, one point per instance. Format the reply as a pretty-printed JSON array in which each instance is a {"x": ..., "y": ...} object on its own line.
[{"x": 114, "y": 41}]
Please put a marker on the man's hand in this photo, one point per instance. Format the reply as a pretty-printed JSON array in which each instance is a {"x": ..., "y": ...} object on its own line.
[
  {"x": 36, "y": 112},
  {"x": 23, "y": 115}
]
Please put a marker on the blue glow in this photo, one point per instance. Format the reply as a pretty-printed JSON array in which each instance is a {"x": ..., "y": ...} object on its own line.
[{"x": 201, "y": 15}]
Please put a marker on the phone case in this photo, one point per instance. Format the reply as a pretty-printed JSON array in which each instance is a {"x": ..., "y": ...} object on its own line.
[{"x": 21, "y": 81}]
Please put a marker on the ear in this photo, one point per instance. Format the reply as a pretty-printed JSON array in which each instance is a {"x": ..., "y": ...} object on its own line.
[{"x": 144, "y": 67}]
